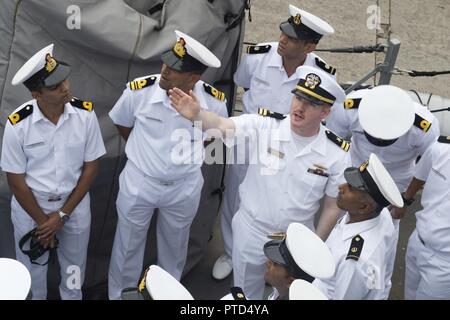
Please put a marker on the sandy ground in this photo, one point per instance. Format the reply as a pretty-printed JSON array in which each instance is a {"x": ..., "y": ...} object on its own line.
[
  {"x": 424, "y": 32},
  {"x": 425, "y": 45}
]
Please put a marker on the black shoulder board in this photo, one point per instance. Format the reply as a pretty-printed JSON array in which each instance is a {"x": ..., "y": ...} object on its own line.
[
  {"x": 421, "y": 123},
  {"x": 322, "y": 65},
  {"x": 258, "y": 49},
  {"x": 267, "y": 113},
  {"x": 80, "y": 104},
  {"x": 21, "y": 114},
  {"x": 355, "y": 248},
  {"x": 138, "y": 84},
  {"x": 444, "y": 139},
  {"x": 343, "y": 144},
  {"x": 352, "y": 103},
  {"x": 237, "y": 293},
  {"x": 219, "y": 95}
]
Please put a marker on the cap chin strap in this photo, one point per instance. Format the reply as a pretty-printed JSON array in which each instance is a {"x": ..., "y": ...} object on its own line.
[
  {"x": 379, "y": 142},
  {"x": 36, "y": 248}
]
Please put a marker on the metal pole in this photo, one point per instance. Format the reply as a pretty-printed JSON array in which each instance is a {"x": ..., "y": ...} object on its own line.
[
  {"x": 363, "y": 79},
  {"x": 389, "y": 62}
]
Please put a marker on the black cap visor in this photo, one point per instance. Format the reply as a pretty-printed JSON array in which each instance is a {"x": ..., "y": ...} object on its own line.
[
  {"x": 301, "y": 32},
  {"x": 185, "y": 64},
  {"x": 353, "y": 177},
  {"x": 289, "y": 30},
  {"x": 272, "y": 252},
  {"x": 60, "y": 74}
]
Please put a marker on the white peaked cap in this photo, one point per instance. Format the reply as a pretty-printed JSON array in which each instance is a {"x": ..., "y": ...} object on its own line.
[
  {"x": 198, "y": 51},
  {"x": 303, "y": 290},
  {"x": 373, "y": 178},
  {"x": 310, "y": 253},
  {"x": 386, "y": 112},
  {"x": 33, "y": 65},
  {"x": 15, "y": 280},
  {"x": 163, "y": 286},
  {"x": 311, "y": 21}
]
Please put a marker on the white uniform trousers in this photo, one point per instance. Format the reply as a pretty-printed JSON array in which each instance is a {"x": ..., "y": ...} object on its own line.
[
  {"x": 139, "y": 196},
  {"x": 249, "y": 261},
  {"x": 390, "y": 264},
  {"x": 234, "y": 176},
  {"x": 72, "y": 250},
  {"x": 427, "y": 274}
]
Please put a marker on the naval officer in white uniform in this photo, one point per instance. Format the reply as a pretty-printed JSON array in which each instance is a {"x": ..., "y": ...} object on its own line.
[
  {"x": 364, "y": 240},
  {"x": 427, "y": 274},
  {"x": 156, "y": 175},
  {"x": 51, "y": 147},
  {"x": 296, "y": 161},
  {"x": 268, "y": 73}
]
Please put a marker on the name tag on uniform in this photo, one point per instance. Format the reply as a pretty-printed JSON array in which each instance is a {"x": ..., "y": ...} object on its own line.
[
  {"x": 319, "y": 172},
  {"x": 275, "y": 153}
]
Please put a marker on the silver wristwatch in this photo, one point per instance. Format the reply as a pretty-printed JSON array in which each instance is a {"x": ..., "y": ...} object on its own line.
[{"x": 64, "y": 217}]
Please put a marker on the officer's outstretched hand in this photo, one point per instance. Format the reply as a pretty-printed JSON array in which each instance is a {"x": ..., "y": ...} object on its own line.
[
  {"x": 50, "y": 227},
  {"x": 186, "y": 104}
]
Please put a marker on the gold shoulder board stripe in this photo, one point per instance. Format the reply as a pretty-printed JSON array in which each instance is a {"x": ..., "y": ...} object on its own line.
[
  {"x": 83, "y": 105},
  {"x": 267, "y": 113},
  {"x": 341, "y": 143},
  {"x": 219, "y": 95},
  {"x": 18, "y": 116},
  {"x": 352, "y": 103},
  {"x": 421, "y": 123},
  {"x": 142, "y": 83}
]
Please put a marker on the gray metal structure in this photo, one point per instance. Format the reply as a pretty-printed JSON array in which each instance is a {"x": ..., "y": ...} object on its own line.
[
  {"x": 111, "y": 43},
  {"x": 384, "y": 68}
]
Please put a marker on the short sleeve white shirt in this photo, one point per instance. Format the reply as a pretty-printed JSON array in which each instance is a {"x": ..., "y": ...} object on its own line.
[{"x": 51, "y": 156}]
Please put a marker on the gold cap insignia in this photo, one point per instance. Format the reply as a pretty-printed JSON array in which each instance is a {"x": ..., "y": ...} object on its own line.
[
  {"x": 312, "y": 80},
  {"x": 179, "y": 48},
  {"x": 50, "y": 64},
  {"x": 298, "y": 19},
  {"x": 363, "y": 166}
]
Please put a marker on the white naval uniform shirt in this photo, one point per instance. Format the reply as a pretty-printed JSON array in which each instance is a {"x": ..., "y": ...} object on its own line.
[
  {"x": 433, "y": 221},
  {"x": 278, "y": 189},
  {"x": 366, "y": 278},
  {"x": 162, "y": 144},
  {"x": 52, "y": 156},
  {"x": 398, "y": 158},
  {"x": 269, "y": 85}
]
